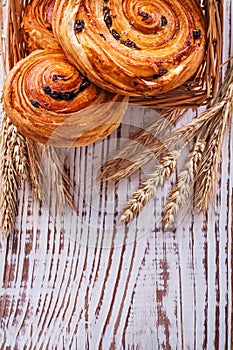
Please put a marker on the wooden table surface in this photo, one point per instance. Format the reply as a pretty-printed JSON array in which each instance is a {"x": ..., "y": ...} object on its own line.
[{"x": 84, "y": 281}]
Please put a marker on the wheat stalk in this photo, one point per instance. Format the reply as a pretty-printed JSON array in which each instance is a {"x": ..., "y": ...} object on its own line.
[
  {"x": 20, "y": 159},
  {"x": 20, "y": 154},
  {"x": 208, "y": 127},
  {"x": 181, "y": 191},
  {"x": 139, "y": 150},
  {"x": 149, "y": 187},
  {"x": 177, "y": 140},
  {"x": 212, "y": 131},
  {"x": 205, "y": 184},
  {"x": 35, "y": 173},
  {"x": 13, "y": 166},
  {"x": 55, "y": 179},
  {"x": 206, "y": 180}
]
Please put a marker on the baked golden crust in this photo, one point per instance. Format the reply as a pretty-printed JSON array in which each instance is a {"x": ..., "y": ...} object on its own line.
[
  {"x": 51, "y": 102},
  {"x": 132, "y": 47},
  {"x": 37, "y": 25}
]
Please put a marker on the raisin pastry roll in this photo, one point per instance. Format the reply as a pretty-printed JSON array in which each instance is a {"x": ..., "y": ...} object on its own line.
[
  {"x": 132, "y": 47},
  {"x": 37, "y": 25},
  {"x": 50, "y": 102}
]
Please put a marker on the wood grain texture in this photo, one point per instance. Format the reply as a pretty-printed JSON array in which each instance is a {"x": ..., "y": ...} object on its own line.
[{"x": 83, "y": 281}]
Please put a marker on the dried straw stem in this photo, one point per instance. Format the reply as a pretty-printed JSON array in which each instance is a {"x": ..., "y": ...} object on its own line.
[
  {"x": 149, "y": 187},
  {"x": 182, "y": 190},
  {"x": 14, "y": 40},
  {"x": 54, "y": 179},
  {"x": 35, "y": 173},
  {"x": 214, "y": 19},
  {"x": 138, "y": 151}
]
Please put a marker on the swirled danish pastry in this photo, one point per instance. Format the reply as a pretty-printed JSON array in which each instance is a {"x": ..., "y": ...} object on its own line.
[
  {"x": 132, "y": 47},
  {"x": 51, "y": 102},
  {"x": 37, "y": 25}
]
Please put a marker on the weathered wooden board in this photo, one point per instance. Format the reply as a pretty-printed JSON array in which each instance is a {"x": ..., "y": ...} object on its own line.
[{"x": 83, "y": 281}]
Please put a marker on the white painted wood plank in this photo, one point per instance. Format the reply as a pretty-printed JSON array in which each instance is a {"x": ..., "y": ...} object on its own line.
[{"x": 82, "y": 281}]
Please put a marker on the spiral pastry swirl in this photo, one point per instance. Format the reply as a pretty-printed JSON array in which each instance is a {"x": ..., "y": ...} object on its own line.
[
  {"x": 132, "y": 47},
  {"x": 51, "y": 102},
  {"x": 37, "y": 26}
]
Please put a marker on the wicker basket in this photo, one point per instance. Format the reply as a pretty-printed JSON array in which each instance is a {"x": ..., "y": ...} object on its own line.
[
  {"x": 196, "y": 92},
  {"x": 21, "y": 158}
]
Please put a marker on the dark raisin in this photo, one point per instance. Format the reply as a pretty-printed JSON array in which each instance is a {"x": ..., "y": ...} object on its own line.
[
  {"x": 115, "y": 34},
  {"x": 188, "y": 43},
  {"x": 56, "y": 77},
  {"x": 163, "y": 21},
  {"x": 50, "y": 29},
  {"x": 102, "y": 36},
  {"x": 160, "y": 74},
  {"x": 35, "y": 103},
  {"x": 78, "y": 26},
  {"x": 85, "y": 83},
  {"x": 129, "y": 43},
  {"x": 66, "y": 96},
  {"x": 57, "y": 95},
  {"x": 106, "y": 10},
  {"x": 197, "y": 34},
  {"x": 163, "y": 71},
  {"x": 47, "y": 90},
  {"x": 108, "y": 19},
  {"x": 144, "y": 15},
  {"x": 62, "y": 96},
  {"x": 135, "y": 83},
  {"x": 107, "y": 16}
]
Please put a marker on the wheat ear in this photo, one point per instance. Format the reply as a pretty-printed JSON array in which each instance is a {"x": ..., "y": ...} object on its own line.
[
  {"x": 177, "y": 140},
  {"x": 149, "y": 187},
  {"x": 14, "y": 165},
  {"x": 206, "y": 180},
  {"x": 205, "y": 184},
  {"x": 182, "y": 190}
]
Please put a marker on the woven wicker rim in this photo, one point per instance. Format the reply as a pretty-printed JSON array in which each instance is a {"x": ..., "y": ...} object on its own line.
[{"x": 194, "y": 93}]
